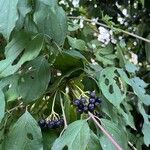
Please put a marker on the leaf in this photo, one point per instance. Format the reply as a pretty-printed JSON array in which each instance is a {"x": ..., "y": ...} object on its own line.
[
  {"x": 131, "y": 67},
  {"x": 75, "y": 54},
  {"x": 18, "y": 51},
  {"x": 146, "y": 125},
  {"x": 147, "y": 49},
  {"x": 117, "y": 133},
  {"x": 48, "y": 139},
  {"x": 65, "y": 62},
  {"x": 25, "y": 134},
  {"x": 76, "y": 43},
  {"x": 108, "y": 85},
  {"x": 8, "y": 16},
  {"x": 2, "y": 105},
  {"x": 139, "y": 86},
  {"x": 94, "y": 142},
  {"x": 76, "y": 137},
  {"x": 33, "y": 83},
  {"x": 51, "y": 21}
]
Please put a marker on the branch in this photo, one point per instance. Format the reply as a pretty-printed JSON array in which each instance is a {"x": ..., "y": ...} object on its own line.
[
  {"x": 105, "y": 132},
  {"x": 117, "y": 29}
]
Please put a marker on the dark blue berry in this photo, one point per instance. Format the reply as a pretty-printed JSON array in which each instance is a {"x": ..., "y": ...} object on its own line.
[
  {"x": 80, "y": 111},
  {"x": 50, "y": 124},
  {"x": 61, "y": 121},
  {"x": 42, "y": 123},
  {"x": 76, "y": 102},
  {"x": 92, "y": 94},
  {"x": 92, "y": 100},
  {"x": 83, "y": 100},
  {"x": 56, "y": 125},
  {"x": 85, "y": 109},
  {"x": 98, "y": 101},
  {"x": 91, "y": 107},
  {"x": 80, "y": 106}
]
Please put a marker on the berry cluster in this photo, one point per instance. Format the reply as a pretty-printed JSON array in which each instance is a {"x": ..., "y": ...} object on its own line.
[
  {"x": 84, "y": 106},
  {"x": 51, "y": 124}
]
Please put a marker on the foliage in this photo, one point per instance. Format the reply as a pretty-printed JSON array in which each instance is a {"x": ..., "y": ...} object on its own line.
[{"x": 58, "y": 58}]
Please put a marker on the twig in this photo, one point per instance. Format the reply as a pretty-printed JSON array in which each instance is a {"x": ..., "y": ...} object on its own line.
[
  {"x": 131, "y": 145},
  {"x": 117, "y": 29},
  {"x": 15, "y": 108},
  {"x": 105, "y": 132}
]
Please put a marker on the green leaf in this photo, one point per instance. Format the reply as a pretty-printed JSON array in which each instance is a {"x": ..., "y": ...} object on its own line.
[
  {"x": 2, "y": 105},
  {"x": 75, "y": 54},
  {"x": 18, "y": 51},
  {"x": 25, "y": 134},
  {"x": 65, "y": 62},
  {"x": 76, "y": 43},
  {"x": 117, "y": 133},
  {"x": 94, "y": 142},
  {"x": 108, "y": 85},
  {"x": 139, "y": 86},
  {"x": 131, "y": 67},
  {"x": 51, "y": 20},
  {"x": 33, "y": 83},
  {"x": 48, "y": 139},
  {"x": 76, "y": 137},
  {"x": 146, "y": 125},
  {"x": 8, "y": 16}
]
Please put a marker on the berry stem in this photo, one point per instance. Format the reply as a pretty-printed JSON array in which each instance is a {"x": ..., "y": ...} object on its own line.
[
  {"x": 105, "y": 132},
  {"x": 53, "y": 104},
  {"x": 63, "y": 112},
  {"x": 82, "y": 93}
]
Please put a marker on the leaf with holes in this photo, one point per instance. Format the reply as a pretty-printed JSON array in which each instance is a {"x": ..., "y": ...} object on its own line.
[
  {"x": 50, "y": 18},
  {"x": 34, "y": 79},
  {"x": 8, "y": 16},
  {"x": 116, "y": 132},
  {"x": 2, "y": 105},
  {"x": 22, "y": 48},
  {"x": 109, "y": 83},
  {"x": 25, "y": 134},
  {"x": 76, "y": 137}
]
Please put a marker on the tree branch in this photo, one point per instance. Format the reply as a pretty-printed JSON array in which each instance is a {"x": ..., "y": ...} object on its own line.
[
  {"x": 105, "y": 132},
  {"x": 117, "y": 29}
]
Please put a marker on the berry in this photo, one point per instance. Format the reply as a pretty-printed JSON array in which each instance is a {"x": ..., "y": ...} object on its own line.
[
  {"x": 92, "y": 94},
  {"x": 42, "y": 123},
  {"x": 98, "y": 101},
  {"x": 50, "y": 124},
  {"x": 80, "y": 106},
  {"x": 80, "y": 111},
  {"x": 76, "y": 102},
  {"x": 83, "y": 100},
  {"x": 91, "y": 107},
  {"x": 61, "y": 121},
  {"x": 92, "y": 100},
  {"x": 85, "y": 109},
  {"x": 56, "y": 124}
]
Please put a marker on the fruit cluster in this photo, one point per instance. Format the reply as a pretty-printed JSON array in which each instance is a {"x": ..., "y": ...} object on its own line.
[
  {"x": 50, "y": 124},
  {"x": 84, "y": 105}
]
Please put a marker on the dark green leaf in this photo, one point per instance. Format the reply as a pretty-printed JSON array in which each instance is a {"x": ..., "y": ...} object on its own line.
[
  {"x": 33, "y": 83},
  {"x": 25, "y": 134},
  {"x": 76, "y": 137}
]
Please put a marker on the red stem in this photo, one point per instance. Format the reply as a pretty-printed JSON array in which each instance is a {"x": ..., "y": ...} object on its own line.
[{"x": 105, "y": 132}]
